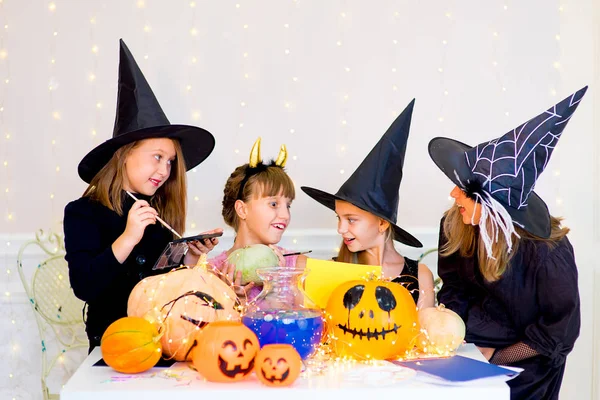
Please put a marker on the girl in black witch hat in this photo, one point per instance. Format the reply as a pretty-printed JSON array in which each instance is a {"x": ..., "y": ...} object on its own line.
[
  {"x": 366, "y": 206},
  {"x": 111, "y": 240},
  {"x": 507, "y": 266}
]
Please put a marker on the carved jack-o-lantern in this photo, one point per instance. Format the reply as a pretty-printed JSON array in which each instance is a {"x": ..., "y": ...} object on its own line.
[
  {"x": 225, "y": 351},
  {"x": 372, "y": 319},
  {"x": 182, "y": 302},
  {"x": 278, "y": 364}
]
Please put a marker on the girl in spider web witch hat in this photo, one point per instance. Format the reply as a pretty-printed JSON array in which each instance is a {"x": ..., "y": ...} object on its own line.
[{"x": 507, "y": 266}]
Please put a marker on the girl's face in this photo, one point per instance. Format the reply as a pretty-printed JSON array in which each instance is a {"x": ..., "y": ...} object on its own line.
[
  {"x": 267, "y": 217},
  {"x": 470, "y": 211},
  {"x": 148, "y": 165},
  {"x": 360, "y": 229}
]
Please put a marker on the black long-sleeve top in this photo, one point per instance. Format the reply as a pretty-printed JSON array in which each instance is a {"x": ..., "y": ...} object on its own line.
[
  {"x": 536, "y": 302},
  {"x": 95, "y": 274}
]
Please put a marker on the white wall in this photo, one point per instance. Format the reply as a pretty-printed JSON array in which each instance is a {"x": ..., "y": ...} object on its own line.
[{"x": 500, "y": 63}]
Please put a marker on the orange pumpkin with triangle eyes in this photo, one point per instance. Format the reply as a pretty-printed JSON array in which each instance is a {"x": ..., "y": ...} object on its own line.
[
  {"x": 278, "y": 365},
  {"x": 225, "y": 351},
  {"x": 372, "y": 320}
]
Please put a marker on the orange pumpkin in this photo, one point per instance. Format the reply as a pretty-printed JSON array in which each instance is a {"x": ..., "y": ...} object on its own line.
[
  {"x": 371, "y": 320},
  {"x": 131, "y": 345},
  {"x": 183, "y": 302},
  {"x": 225, "y": 351},
  {"x": 278, "y": 365}
]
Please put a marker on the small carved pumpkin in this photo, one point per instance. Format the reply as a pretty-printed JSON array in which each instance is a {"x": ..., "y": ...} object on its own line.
[
  {"x": 131, "y": 345},
  {"x": 183, "y": 302},
  {"x": 371, "y": 319},
  {"x": 225, "y": 351},
  {"x": 278, "y": 364}
]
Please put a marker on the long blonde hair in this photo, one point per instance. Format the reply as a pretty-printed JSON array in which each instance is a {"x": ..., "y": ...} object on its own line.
[
  {"x": 464, "y": 239},
  {"x": 170, "y": 200},
  {"x": 345, "y": 255}
]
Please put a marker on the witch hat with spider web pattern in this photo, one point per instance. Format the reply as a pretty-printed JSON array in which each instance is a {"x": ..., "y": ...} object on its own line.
[{"x": 507, "y": 168}]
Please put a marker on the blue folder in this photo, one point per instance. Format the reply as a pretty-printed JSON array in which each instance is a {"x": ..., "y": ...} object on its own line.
[{"x": 457, "y": 368}]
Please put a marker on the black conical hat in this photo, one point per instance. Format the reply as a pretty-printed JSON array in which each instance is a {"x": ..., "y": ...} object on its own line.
[
  {"x": 375, "y": 185},
  {"x": 140, "y": 116},
  {"x": 508, "y": 167}
]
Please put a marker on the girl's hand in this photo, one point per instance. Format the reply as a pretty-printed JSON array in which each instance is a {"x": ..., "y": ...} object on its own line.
[
  {"x": 230, "y": 276},
  {"x": 279, "y": 254},
  {"x": 197, "y": 248},
  {"x": 139, "y": 217}
]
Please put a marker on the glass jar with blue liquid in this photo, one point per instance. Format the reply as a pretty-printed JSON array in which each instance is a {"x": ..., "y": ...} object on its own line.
[{"x": 282, "y": 313}]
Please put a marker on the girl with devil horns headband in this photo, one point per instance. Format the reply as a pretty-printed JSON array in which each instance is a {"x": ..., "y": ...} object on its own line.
[
  {"x": 111, "y": 240},
  {"x": 256, "y": 203},
  {"x": 507, "y": 266}
]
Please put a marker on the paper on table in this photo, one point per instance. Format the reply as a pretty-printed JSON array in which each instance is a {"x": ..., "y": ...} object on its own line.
[
  {"x": 324, "y": 276},
  {"x": 458, "y": 368}
]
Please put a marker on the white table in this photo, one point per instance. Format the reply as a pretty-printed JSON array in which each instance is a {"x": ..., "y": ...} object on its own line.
[{"x": 341, "y": 382}]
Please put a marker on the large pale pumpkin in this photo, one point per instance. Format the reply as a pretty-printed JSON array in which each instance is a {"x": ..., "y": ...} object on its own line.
[
  {"x": 131, "y": 345},
  {"x": 371, "y": 320},
  {"x": 182, "y": 302},
  {"x": 443, "y": 330}
]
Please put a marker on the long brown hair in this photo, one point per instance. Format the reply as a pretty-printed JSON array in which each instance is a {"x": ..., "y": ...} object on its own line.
[
  {"x": 270, "y": 182},
  {"x": 345, "y": 255},
  {"x": 464, "y": 239},
  {"x": 170, "y": 200}
]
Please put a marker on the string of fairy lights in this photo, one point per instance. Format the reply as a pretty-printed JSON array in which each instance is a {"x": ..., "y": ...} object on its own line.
[
  {"x": 556, "y": 65},
  {"x": 7, "y": 192},
  {"x": 343, "y": 23},
  {"x": 193, "y": 66}
]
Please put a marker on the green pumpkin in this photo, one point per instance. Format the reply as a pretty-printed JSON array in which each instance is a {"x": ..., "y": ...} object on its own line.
[{"x": 249, "y": 258}]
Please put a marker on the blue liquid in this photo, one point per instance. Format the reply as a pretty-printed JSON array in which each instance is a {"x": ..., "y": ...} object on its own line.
[{"x": 301, "y": 329}]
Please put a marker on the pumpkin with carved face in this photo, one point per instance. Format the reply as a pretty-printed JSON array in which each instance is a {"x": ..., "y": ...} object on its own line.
[
  {"x": 225, "y": 351},
  {"x": 372, "y": 320},
  {"x": 182, "y": 302},
  {"x": 278, "y": 365}
]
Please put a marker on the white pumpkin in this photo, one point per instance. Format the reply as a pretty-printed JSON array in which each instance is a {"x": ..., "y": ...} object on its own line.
[{"x": 442, "y": 330}]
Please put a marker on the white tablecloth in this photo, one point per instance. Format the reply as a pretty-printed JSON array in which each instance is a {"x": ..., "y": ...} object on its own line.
[{"x": 337, "y": 383}]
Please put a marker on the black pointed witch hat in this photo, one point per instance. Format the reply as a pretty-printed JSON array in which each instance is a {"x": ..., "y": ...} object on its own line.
[
  {"x": 374, "y": 186},
  {"x": 508, "y": 167},
  {"x": 140, "y": 116}
]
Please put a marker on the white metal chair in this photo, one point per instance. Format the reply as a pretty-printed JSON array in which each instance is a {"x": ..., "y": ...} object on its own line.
[{"x": 58, "y": 313}]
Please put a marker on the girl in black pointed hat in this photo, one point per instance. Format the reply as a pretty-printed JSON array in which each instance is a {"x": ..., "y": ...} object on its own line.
[
  {"x": 507, "y": 266},
  {"x": 366, "y": 206},
  {"x": 111, "y": 240}
]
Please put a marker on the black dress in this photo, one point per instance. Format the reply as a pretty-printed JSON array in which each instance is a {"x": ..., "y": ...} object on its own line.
[
  {"x": 95, "y": 274},
  {"x": 409, "y": 278},
  {"x": 536, "y": 302}
]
